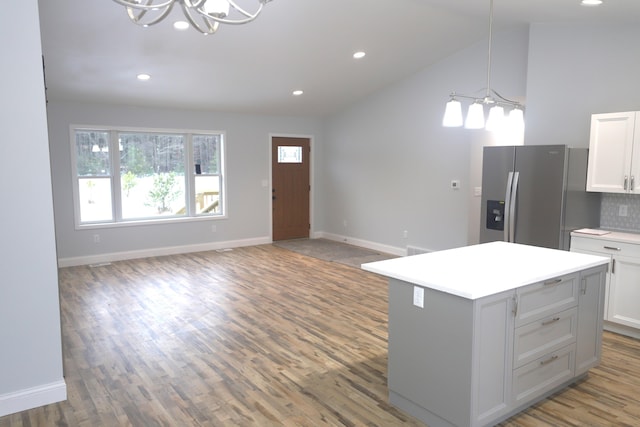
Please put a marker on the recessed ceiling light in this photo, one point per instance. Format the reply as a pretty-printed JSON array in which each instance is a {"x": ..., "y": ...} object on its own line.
[
  {"x": 297, "y": 92},
  {"x": 359, "y": 54},
  {"x": 143, "y": 76},
  {"x": 591, "y": 2},
  {"x": 181, "y": 25}
]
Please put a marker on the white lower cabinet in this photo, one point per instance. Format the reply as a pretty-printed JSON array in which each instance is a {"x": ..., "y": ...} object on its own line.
[
  {"x": 471, "y": 363},
  {"x": 624, "y": 291},
  {"x": 622, "y": 299}
]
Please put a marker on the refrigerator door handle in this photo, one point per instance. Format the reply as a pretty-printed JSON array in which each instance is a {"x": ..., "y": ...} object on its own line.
[
  {"x": 512, "y": 208},
  {"x": 507, "y": 203}
]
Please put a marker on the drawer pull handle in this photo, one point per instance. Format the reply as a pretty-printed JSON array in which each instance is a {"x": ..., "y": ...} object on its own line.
[
  {"x": 612, "y": 248},
  {"x": 550, "y": 321},
  {"x": 552, "y": 282},
  {"x": 549, "y": 360}
]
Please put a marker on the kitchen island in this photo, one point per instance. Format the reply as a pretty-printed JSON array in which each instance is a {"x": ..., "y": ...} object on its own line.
[{"x": 479, "y": 333}]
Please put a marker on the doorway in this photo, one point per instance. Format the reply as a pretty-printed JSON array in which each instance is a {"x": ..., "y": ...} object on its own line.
[{"x": 290, "y": 190}]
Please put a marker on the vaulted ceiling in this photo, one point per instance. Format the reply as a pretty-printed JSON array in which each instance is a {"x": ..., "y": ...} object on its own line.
[{"x": 93, "y": 52}]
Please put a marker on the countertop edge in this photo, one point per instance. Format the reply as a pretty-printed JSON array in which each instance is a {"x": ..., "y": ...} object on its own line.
[
  {"x": 476, "y": 295},
  {"x": 615, "y": 236}
]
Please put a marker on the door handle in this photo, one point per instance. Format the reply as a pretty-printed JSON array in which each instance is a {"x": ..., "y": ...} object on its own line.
[
  {"x": 507, "y": 204},
  {"x": 550, "y": 321},
  {"x": 549, "y": 360},
  {"x": 626, "y": 181},
  {"x": 512, "y": 208},
  {"x": 273, "y": 197}
]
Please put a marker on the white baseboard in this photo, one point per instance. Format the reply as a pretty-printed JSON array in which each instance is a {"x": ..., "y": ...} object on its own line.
[
  {"x": 173, "y": 250},
  {"x": 169, "y": 250},
  {"x": 621, "y": 329},
  {"x": 34, "y": 397},
  {"x": 362, "y": 243}
]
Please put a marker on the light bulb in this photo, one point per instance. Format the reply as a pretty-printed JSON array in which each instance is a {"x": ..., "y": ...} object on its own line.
[
  {"x": 475, "y": 116},
  {"x": 217, "y": 8},
  {"x": 496, "y": 118},
  {"x": 452, "y": 114}
]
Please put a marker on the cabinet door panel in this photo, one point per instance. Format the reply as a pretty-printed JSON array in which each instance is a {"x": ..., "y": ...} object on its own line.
[
  {"x": 624, "y": 294},
  {"x": 635, "y": 161},
  {"x": 610, "y": 152},
  {"x": 493, "y": 324},
  {"x": 590, "y": 321},
  {"x": 586, "y": 246}
]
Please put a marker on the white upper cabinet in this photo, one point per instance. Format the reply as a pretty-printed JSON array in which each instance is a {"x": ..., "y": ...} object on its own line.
[{"x": 614, "y": 153}]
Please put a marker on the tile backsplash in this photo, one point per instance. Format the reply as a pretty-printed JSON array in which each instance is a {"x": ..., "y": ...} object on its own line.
[{"x": 612, "y": 205}]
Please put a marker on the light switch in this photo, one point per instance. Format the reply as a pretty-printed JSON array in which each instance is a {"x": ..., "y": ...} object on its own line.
[{"x": 418, "y": 296}]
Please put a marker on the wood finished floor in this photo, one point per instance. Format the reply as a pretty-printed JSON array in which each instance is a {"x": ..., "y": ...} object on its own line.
[{"x": 260, "y": 336}]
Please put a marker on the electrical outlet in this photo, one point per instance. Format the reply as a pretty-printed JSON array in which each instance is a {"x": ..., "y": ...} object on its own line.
[
  {"x": 344, "y": 223},
  {"x": 213, "y": 228},
  {"x": 405, "y": 234},
  {"x": 418, "y": 296},
  {"x": 96, "y": 238},
  {"x": 622, "y": 210}
]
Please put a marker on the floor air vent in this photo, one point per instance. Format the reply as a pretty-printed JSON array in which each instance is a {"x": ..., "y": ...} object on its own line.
[{"x": 414, "y": 250}]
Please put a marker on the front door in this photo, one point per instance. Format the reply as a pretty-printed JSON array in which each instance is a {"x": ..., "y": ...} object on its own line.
[{"x": 290, "y": 187}]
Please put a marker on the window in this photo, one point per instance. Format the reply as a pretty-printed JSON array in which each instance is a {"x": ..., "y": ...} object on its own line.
[
  {"x": 289, "y": 154},
  {"x": 139, "y": 175}
]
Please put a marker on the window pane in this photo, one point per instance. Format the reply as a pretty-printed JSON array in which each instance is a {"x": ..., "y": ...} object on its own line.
[
  {"x": 92, "y": 153},
  {"x": 152, "y": 175},
  {"x": 95, "y": 199},
  {"x": 206, "y": 154},
  {"x": 287, "y": 154},
  {"x": 207, "y": 195}
]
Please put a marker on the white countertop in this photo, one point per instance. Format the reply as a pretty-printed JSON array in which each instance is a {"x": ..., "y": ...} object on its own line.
[
  {"x": 480, "y": 270},
  {"x": 617, "y": 236}
]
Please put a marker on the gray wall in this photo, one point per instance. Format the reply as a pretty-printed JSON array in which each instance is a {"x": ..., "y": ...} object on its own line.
[
  {"x": 384, "y": 165},
  {"x": 575, "y": 71},
  {"x": 248, "y": 201},
  {"x": 30, "y": 342},
  {"x": 390, "y": 162}
]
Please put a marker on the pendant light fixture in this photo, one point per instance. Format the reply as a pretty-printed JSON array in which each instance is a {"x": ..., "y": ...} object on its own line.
[
  {"x": 203, "y": 15},
  {"x": 492, "y": 100}
]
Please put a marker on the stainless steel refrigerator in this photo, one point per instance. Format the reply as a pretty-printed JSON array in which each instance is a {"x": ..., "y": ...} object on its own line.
[{"x": 536, "y": 195}]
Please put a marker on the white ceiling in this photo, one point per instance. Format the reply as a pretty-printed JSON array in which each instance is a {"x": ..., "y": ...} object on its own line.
[{"x": 93, "y": 52}]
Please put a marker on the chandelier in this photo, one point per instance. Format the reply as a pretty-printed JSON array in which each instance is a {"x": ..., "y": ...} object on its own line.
[
  {"x": 492, "y": 100},
  {"x": 203, "y": 15}
]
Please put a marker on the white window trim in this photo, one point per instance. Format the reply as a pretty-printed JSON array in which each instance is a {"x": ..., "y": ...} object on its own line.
[{"x": 117, "y": 220}]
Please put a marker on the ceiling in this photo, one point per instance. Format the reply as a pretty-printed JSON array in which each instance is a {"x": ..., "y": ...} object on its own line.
[{"x": 93, "y": 52}]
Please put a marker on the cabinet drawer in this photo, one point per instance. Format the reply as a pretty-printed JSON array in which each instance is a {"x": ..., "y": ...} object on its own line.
[
  {"x": 606, "y": 247},
  {"x": 540, "y": 300},
  {"x": 543, "y": 374},
  {"x": 543, "y": 336}
]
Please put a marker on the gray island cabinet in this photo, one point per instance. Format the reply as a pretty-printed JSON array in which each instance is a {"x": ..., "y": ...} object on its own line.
[{"x": 479, "y": 333}]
